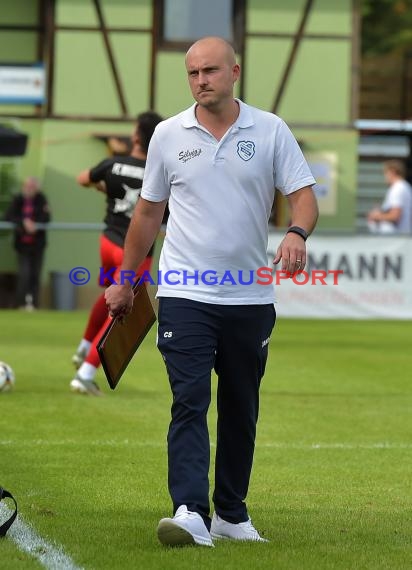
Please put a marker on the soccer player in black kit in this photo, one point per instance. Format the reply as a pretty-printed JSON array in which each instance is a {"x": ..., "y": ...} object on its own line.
[{"x": 120, "y": 178}]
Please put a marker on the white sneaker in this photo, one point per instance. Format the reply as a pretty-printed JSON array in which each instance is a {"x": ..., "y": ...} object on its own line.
[
  {"x": 241, "y": 531},
  {"x": 85, "y": 387},
  {"x": 79, "y": 358},
  {"x": 186, "y": 527}
]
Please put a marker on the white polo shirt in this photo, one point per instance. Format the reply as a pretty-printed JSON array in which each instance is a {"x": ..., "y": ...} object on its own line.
[
  {"x": 220, "y": 198},
  {"x": 399, "y": 195}
]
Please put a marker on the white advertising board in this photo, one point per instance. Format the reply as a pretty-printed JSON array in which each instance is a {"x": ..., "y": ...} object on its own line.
[
  {"x": 23, "y": 84},
  {"x": 354, "y": 277}
]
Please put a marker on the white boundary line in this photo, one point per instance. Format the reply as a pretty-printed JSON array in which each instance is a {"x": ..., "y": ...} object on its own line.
[
  {"x": 273, "y": 444},
  {"x": 50, "y": 556},
  {"x": 353, "y": 446}
]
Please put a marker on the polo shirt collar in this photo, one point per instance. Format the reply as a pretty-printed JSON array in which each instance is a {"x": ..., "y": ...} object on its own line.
[{"x": 244, "y": 120}]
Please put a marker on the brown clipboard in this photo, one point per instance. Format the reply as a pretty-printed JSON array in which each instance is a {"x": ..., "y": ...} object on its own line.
[{"x": 123, "y": 336}]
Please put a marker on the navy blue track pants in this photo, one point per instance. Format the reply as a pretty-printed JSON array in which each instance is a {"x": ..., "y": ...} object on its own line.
[{"x": 194, "y": 338}]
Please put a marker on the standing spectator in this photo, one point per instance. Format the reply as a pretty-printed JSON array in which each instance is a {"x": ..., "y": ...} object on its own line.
[
  {"x": 219, "y": 162},
  {"x": 28, "y": 209},
  {"x": 120, "y": 179},
  {"x": 394, "y": 216}
]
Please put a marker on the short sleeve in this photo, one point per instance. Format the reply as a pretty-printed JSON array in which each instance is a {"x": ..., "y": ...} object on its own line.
[
  {"x": 98, "y": 172},
  {"x": 156, "y": 187},
  {"x": 396, "y": 197},
  {"x": 290, "y": 169}
]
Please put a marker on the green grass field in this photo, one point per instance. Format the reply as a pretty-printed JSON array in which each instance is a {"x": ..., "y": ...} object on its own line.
[{"x": 331, "y": 486}]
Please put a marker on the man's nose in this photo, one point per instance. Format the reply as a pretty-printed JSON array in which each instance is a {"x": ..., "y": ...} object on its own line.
[{"x": 202, "y": 78}]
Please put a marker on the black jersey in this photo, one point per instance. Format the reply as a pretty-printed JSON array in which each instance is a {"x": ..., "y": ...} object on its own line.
[{"x": 123, "y": 176}]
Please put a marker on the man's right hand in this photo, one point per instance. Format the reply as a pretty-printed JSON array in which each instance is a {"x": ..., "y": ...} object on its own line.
[{"x": 119, "y": 299}]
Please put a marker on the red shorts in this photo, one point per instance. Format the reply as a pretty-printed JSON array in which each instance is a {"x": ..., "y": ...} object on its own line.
[{"x": 111, "y": 256}]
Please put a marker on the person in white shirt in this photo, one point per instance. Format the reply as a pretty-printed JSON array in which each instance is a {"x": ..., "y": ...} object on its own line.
[
  {"x": 394, "y": 216},
  {"x": 218, "y": 163}
]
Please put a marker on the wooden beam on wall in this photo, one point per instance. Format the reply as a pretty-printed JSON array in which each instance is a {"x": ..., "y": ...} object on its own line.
[
  {"x": 49, "y": 7},
  {"x": 113, "y": 66},
  {"x": 156, "y": 32},
  {"x": 292, "y": 56},
  {"x": 356, "y": 59},
  {"x": 240, "y": 20}
]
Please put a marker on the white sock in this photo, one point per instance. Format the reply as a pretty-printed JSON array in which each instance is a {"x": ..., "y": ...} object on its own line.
[
  {"x": 87, "y": 371},
  {"x": 84, "y": 346}
]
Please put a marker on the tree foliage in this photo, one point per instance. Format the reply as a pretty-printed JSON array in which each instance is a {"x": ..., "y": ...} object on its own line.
[{"x": 386, "y": 25}]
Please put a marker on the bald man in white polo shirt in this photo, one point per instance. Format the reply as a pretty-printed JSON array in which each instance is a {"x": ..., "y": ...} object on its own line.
[{"x": 218, "y": 164}]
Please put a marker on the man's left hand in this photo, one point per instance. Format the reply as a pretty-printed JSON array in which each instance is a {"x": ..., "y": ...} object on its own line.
[{"x": 292, "y": 252}]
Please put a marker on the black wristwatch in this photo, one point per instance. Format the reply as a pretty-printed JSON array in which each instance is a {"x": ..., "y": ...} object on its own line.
[{"x": 298, "y": 230}]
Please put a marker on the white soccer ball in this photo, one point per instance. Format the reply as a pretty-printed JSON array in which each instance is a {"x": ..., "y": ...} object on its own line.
[{"x": 7, "y": 377}]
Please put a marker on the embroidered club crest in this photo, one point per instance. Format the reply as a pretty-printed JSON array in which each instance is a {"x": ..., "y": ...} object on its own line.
[{"x": 246, "y": 149}]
